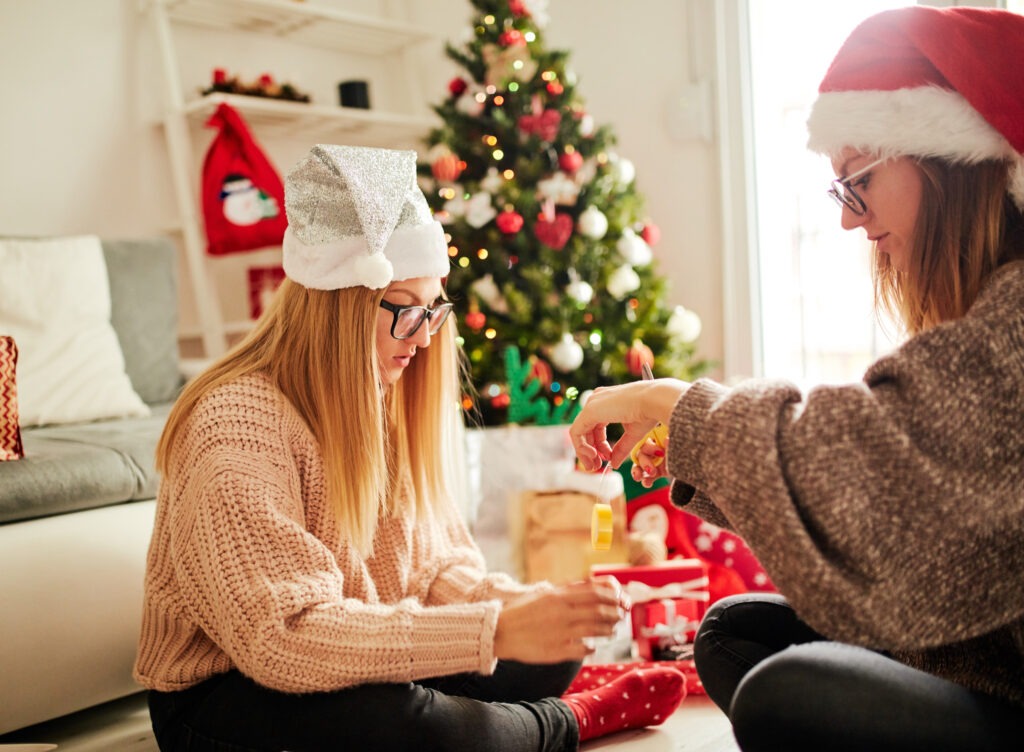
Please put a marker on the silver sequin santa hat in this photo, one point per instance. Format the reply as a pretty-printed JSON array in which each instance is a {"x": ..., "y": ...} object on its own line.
[
  {"x": 356, "y": 217},
  {"x": 928, "y": 82}
]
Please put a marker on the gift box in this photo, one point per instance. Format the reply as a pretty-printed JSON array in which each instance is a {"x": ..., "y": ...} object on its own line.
[
  {"x": 661, "y": 625},
  {"x": 669, "y": 600},
  {"x": 556, "y": 542}
]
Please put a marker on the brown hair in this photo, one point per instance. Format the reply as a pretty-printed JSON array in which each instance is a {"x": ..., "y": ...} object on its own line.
[
  {"x": 319, "y": 348},
  {"x": 967, "y": 226}
]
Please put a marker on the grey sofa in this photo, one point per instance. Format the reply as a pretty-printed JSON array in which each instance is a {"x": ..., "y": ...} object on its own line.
[{"x": 77, "y": 512}]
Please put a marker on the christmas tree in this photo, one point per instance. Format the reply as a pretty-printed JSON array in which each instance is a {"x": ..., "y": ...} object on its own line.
[{"x": 550, "y": 245}]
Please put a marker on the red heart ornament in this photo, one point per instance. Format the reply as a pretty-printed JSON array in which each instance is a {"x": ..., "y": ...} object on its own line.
[
  {"x": 544, "y": 125},
  {"x": 554, "y": 232}
]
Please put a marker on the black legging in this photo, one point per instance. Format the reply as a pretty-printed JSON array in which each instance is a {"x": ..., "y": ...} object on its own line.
[
  {"x": 785, "y": 688},
  {"x": 513, "y": 710}
]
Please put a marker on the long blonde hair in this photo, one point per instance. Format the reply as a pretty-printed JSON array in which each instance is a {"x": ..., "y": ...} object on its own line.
[
  {"x": 319, "y": 348},
  {"x": 967, "y": 226}
]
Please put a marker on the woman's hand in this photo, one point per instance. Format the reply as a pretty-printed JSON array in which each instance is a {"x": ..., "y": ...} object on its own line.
[
  {"x": 638, "y": 406},
  {"x": 552, "y": 626},
  {"x": 649, "y": 465}
]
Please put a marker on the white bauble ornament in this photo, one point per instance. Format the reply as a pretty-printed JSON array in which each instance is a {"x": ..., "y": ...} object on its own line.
[
  {"x": 538, "y": 10},
  {"x": 587, "y": 125},
  {"x": 633, "y": 248},
  {"x": 623, "y": 281},
  {"x": 684, "y": 324},
  {"x": 622, "y": 171},
  {"x": 593, "y": 223},
  {"x": 579, "y": 291},
  {"x": 567, "y": 355}
]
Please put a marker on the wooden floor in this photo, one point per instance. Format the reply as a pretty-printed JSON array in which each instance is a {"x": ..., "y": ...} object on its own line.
[{"x": 123, "y": 726}]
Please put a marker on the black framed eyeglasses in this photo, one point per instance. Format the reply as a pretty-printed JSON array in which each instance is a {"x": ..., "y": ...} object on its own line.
[
  {"x": 408, "y": 319},
  {"x": 842, "y": 190}
]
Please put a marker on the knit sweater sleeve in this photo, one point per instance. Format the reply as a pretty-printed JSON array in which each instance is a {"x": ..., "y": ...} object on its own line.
[
  {"x": 451, "y": 567},
  {"x": 286, "y": 609},
  {"x": 889, "y": 512}
]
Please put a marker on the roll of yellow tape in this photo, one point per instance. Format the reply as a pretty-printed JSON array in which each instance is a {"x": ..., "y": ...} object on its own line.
[
  {"x": 659, "y": 435},
  {"x": 601, "y": 526}
]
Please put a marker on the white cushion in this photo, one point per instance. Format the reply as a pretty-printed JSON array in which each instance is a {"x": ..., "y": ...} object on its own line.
[{"x": 55, "y": 302}]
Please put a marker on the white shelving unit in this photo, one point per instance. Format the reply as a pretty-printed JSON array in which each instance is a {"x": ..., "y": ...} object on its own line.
[{"x": 303, "y": 24}]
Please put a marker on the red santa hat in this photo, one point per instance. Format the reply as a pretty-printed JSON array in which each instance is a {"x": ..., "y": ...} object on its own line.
[{"x": 928, "y": 82}]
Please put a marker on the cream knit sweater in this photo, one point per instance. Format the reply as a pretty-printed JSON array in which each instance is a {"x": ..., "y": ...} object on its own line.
[
  {"x": 247, "y": 570},
  {"x": 890, "y": 512}
]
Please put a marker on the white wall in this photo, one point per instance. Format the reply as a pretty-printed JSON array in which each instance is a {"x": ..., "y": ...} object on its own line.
[{"x": 81, "y": 148}]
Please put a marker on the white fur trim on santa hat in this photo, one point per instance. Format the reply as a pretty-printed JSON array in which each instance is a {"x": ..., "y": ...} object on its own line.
[
  {"x": 926, "y": 121},
  {"x": 412, "y": 251}
]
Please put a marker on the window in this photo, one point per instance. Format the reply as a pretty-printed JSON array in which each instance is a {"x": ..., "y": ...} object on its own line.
[{"x": 817, "y": 321}]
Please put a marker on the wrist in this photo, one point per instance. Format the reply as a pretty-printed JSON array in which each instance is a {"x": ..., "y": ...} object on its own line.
[{"x": 663, "y": 396}]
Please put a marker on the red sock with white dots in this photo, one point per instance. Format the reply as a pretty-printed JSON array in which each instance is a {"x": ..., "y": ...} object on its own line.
[{"x": 638, "y": 698}]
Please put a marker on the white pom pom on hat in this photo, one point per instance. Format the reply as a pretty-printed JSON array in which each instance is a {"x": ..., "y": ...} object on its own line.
[
  {"x": 928, "y": 82},
  {"x": 357, "y": 217}
]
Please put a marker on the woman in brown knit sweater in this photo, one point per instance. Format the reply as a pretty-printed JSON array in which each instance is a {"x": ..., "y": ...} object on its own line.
[
  {"x": 889, "y": 513},
  {"x": 310, "y": 583}
]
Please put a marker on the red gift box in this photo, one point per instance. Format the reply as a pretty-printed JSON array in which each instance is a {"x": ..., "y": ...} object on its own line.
[
  {"x": 669, "y": 600},
  {"x": 659, "y": 625}
]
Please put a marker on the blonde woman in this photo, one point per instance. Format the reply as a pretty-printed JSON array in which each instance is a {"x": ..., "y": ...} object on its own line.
[
  {"x": 890, "y": 513},
  {"x": 310, "y": 582}
]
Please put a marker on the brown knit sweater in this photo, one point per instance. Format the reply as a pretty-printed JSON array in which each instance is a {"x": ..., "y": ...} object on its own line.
[
  {"x": 890, "y": 512},
  {"x": 248, "y": 570}
]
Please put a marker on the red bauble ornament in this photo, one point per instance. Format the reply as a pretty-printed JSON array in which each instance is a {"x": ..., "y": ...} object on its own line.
[
  {"x": 517, "y": 7},
  {"x": 554, "y": 88},
  {"x": 570, "y": 161},
  {"x": 475, "y": 320},
  {"x": 457, "y": 86},
  {"x": 501, "y": 401},
  {"x": 511, "y": 38},
  {"x": 651, "y": 233},
  {"x": 554, "y": 232},
  {"x": 447, "y": 168},
  {"x": 509, "y": 222},
  {"x": 637, "y": 355}
]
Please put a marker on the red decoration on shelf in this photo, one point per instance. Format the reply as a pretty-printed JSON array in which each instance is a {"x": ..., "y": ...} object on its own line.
[
  {"x": 509, "y": 222},
  {"x": 457, "y": 86},
  {"x": 555, "y": 232},
  {"x": 242, "y": 193},
  {"x": 447, "y": 168},
  {"x": 570, "y": 161},
  {"x": 263, "y": 282},
  {"x": 637, "y": 355},
  {"x": 651, "y": 233},
  {"x": 264, "y": 86}
]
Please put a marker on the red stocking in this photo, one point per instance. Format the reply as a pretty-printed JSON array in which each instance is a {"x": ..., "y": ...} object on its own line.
[
  {"x": 592, "y": 676},
  {"x": 636, "y": 698}
]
